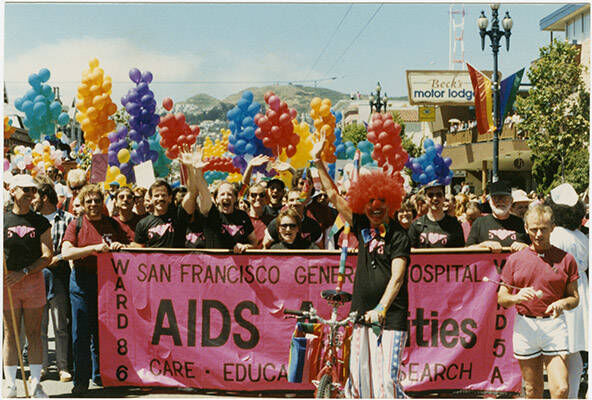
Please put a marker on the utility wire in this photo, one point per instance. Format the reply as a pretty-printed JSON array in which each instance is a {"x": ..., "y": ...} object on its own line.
[
  {"x": 330, "y": 39},
  {"x": 356, "y": 38},
  {"x": 329, "y": 78}
]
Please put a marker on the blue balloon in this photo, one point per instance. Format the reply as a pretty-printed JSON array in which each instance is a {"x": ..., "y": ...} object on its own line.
[
  {"x": 248, "y": 96},
  {"x": 448, "y": 161},
  {"x": 254, "y": 109},
  {"x": 438, "y": 148},
  {"x": 429, "y": 171},
  {"x": 39, "y": 99},
  {"x": 46, "y": 90},
  {"x": 250, "y": 148},
  {"x": 18, "y": 103},
  {"x": 232, "y": 126},
  {"x": 31, "y": 94},
  {"x": 44, "y": 74},
  {"x": 240, "y": 146},
  {"x": 63, "y": 118},
  {"x": 428, "y": 143},
  {"x": 153, "y": 155},
  {"x": 423, "y": 179},
  {"x": 248, "y": 121},
  {"x": 55, "y": 109},
  {"x": 34, "y": 81},
  {"x": 39, "y": 108},
  {"x": 365, "y": 158}
]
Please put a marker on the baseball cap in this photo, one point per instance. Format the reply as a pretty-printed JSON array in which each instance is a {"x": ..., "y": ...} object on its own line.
[
  {"x": 114, "y": 183},
  {"x": 519, "y": 196},
  {"x": 499, "y": 188},
  {"x": 22, "y": 180}
]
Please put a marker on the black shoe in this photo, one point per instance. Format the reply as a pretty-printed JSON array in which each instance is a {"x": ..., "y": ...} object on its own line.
[{"x": 79, "y": 389}]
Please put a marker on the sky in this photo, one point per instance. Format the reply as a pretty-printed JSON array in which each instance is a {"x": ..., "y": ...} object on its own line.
[{"x": 220, "y": 49}]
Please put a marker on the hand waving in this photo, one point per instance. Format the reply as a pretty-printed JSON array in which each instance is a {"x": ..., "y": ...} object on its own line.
[{"x": 318, "y": 147}]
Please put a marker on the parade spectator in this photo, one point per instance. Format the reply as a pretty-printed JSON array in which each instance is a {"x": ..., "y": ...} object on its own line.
[
  {"x": 243, "y": 204},
  {"x": 57, "y": 280},
  {"x": 436, "y": 229},
  {"x": 288, "y": 222},
  {"x": 420, "y": 204},
  {"x": 465, "y": 188},
  {"x": 405, "y": 215},
  {"x": 380, "y": 287},
  {"x": 311, "y": 230},
  {"x": 110, "y": 197},
  {"x": 27, "y": 250},
  {"x": 540, "y": 332},
  {"x": 302, "y": 181},
  {"x": 520, "y": 203},
  {"x": 77, "y": 209},
  {"x": 320, "y": 211},
  {"x": 258, "y": 213},
  {"x": 124, "y": 206},
  {"x": 61, "y": 190},
  {"x": 139, "y": 206},
  {"x": 276, "y": 190},
  {"x": 500, "y": 228},
  {"x": 75, "y": 180},
  {"x": 471, "y": 214},
  {"x": 178, "y": 195},
  {"x": 450, "y": 205},
  {"x": 568, "y": 212},
  {"x": 92, "y": 233},
  {"x": 195, "y": 233},
  {"x": 148, "y": 203}
]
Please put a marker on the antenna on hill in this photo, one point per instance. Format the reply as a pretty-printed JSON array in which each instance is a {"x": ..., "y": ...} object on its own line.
[{"x": 456, "y": 36}]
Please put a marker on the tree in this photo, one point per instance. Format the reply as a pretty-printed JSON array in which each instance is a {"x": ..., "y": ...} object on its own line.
[
  {"x": 354, "y": 133},
  {"x": 555, "y": 118}
]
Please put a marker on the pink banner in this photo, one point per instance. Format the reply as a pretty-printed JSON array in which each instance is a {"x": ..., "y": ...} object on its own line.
[{"x": 216, "y": 321}]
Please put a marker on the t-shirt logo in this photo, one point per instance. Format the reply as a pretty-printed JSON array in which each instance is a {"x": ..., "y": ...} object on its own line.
[
  {"x": 502, "y": 234},
  {"x": 433, "y": 238},
  {"x": 373, "y": 238},
  {"x": 194, "y": 237},
  {"x": 21, "y": 231},
  {"x": 376, "y": 245},
  {"x": 107, "y": 237},
  {"x": 233, "y": 230},
  {"x": 305, "y": 235},
  {"x": 160, "y": 230}
]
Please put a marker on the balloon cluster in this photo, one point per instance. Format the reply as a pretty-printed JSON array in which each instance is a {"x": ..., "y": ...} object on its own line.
[
  {"x": 366, "y": 148},
  {"x": 8, "y": 128},
  {"x": 95, "y": 106},
  {"x": 114, "y": 175},
  {"x": 242, "y": 140},
  {"x": 162, "y": 164},
  {"x": 212, "y": 176},
  {"x": 345, "y": 151},
  {"x": 223, "y": 164},
  {"x": 42, "y": 111},
  {"x": 324, "y": 123},
  {"x": 304, "y": 147},
  {"x": 118, "y": 152},
  {"x": 218, "y": 147},
  {"x": 275, "y": 127},
  {"x": 175, "y": 132},
  {"x": 430, "y": 166},
  {"x": 140, "y": 105},
  {"x": 37, "y": 159},
  {"x": 339, "y": 146},
  {"x": 388, "y": 151}
]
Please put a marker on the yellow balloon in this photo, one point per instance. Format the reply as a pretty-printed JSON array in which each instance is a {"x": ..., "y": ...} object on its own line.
[
  {"x": 123, "y": 156},
  {"x": 121, "y": 179},
  {"x": 112, "y": 173},
  {"x": 315, "y": 103},
  {"x": 93, "y": 63}
]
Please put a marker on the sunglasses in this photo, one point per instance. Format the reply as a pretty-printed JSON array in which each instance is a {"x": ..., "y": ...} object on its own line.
[
  {"x": 29, "y": 189},
  {"x": 125, "y": 196},
  {"x": 259, "y": 195},
  {"x": 92, "y": 200},
  {"x": 286, "y": 226}
]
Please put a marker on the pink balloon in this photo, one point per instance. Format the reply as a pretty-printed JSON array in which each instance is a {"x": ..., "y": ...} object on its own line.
[
  {"x": 167, "y": 103},
  {"x": 274, "y": 103}
]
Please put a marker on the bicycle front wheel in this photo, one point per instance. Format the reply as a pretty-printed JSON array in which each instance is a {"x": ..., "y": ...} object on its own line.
[{"x": 324, "y": 388}]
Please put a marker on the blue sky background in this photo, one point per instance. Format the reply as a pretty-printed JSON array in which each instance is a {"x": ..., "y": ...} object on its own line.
[{"x": 204, "y": 48}]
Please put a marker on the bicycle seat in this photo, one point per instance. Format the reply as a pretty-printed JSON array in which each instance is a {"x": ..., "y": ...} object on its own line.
[{"x": 334, "y": 295}]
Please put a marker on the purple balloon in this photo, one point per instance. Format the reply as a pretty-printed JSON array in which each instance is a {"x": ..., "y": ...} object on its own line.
[
  {"x": 448, "y": 161},
  {"x": 154, "y": 119},
  {"x": 143, "y": 147},
  {"x": 133, "y": 95},
  {"x": 135, "y": 158},
  {"x": 124, "y": 100},
  {"x": 147, "y": 76},
  {"x": 135, "y": 135},
  {"x": 153, "y": 155},
  {"x": 125, "y": 167},
  {"x": 112, "y": 156},
  {"x": 133, "y": 109},
  {"x": 438, "y": 148},
  {"x": 135, "y": 75},
  {"x": 142, "y": 88},
  {"x": 112, "y": 136},
  {"x": 134, "y": 122},
  {"x": 121, "y": 132}
]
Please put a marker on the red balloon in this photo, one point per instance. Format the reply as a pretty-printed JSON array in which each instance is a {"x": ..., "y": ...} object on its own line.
[
  {"x": 195, "y": 130},
  {"x": 294, "y": 140},
  {"x": 275, "y": 132},
  {"x": 293, "y": 113},
  {"x": 167, "y": 103},
  {"x": 164, "y": 121},
  {"x": 272, "y": 116},
  {"x": 181, "y": 140},
  {"x": 371, "y": 136},
  {"x": 378, "y": 148},
  {"x": 389, "y": 126},
  {"x": 267, "y": 96},
  {"x": 285, "y": 119},
  {"x": 267, "y": 142},
  {"x": 191, "y": 139},
  {"x": 284, "y": 107},
  {"x": 388, "y": 150},
  {"x": 259, "y": 133},
  {"x": 397, "y": 129},
  {"x": 257, "y": 117},
  {"x": 290, "y": 150},
  {"x": 180, "y": 118},
  {"x": 274, "y": 103},
  {"x": 383, "y": 137}
]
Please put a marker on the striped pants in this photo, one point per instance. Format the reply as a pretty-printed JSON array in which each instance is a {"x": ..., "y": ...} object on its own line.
[{"x": 374, "y": 364}]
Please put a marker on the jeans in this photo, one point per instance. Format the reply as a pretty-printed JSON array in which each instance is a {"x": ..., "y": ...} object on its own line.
[
  {"x": 57, "y": 308},
  {"x": 85, "y": 330}
]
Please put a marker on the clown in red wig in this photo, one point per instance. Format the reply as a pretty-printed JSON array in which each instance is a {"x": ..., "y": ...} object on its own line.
[{"x": 380, "y": 287}]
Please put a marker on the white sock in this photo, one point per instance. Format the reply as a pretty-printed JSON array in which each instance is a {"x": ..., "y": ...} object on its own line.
[
  {"x": 35, "y": 372},
  {"x": 10, "y": 374}
]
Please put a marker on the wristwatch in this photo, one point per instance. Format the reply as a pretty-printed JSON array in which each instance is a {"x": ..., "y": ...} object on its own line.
[{"x": 26, "y": 271}]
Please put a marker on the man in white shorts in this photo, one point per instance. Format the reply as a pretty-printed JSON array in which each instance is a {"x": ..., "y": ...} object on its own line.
[{"x": 540, "y": 331}]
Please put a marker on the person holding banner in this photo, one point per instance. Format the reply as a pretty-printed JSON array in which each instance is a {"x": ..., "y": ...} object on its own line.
[
  {"x": 540, "y": 331},
  {"x": 124, "y": 214},
  {"x": 28, "y": 249},
  {"x": 289, "y": 223},
  {"x": 380, "y": 283},
  {"x": 436, "y": 229},
  {"x": 93, "y": 232}
]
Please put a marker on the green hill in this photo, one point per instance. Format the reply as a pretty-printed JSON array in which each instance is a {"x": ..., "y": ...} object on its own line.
[{"x": 203, "y": 101}]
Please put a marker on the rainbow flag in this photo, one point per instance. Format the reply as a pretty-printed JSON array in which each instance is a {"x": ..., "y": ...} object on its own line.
[
  {"x": 483, "y": 100},
  {"x": 508, "y": 91}
]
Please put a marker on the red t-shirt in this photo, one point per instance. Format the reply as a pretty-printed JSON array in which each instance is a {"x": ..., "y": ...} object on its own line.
[
  {"x": 549, "y": 272},
  {"x": 259, "y": 228},
  {"x": 93, "y": 232},
  {"x": 129, "y": 227}
]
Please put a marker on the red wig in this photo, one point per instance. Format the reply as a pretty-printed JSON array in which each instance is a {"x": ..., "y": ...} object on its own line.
[{"x": 376, "y": 185}]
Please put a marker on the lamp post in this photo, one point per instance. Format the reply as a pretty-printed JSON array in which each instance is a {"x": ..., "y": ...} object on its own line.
[
  {"x": 376, "y": 102},
  {"x": 495, "y": 35}
]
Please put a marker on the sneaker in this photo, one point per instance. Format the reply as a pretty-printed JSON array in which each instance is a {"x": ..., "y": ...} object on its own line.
[
  {"x": 79, "y": 389},
  {"x": 10, "y": 391},
  {"x": 65, "y": 376},
  {"x": 97, "y": 382},
  {"x": 43, "y": 374},
  {"x": 39, "y": 393}
]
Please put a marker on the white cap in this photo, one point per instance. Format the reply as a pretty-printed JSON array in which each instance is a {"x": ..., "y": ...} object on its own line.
[
  {"x": 564, "y": 194},
  {"x": 22, "y": 180},
  {"x": 519, "y": 196}
]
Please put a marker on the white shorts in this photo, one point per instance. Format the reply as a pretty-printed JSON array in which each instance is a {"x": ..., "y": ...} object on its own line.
[{"x": 539, "y": 336}]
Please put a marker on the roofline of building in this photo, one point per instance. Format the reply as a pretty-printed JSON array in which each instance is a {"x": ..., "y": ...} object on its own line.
[{"x": 547, "y": 22}]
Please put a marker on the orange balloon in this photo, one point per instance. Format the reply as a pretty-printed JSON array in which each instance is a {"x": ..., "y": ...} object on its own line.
[
  {"x": 106, "y": 86},
  {"x": 92, "y": 113},
  {"x": 111, "y": 108},
  {"x": 104, "y": 143},
  {"x": 327, "y": 130},
  {"x": 318, "y": 124},
  {"x": 315, "y": 103},
  {"x": 83, "y": 89}
]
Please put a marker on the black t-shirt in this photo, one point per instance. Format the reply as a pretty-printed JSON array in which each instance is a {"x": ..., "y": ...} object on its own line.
[
  {"x": 22, "y": 238},
  {"x": 223, "y": 231},
  {"x": 163, "y": 231},
  {"x": 195, "y": 237},
  {"x": 310, "y": 230},
  {"x": 505, "y": 232},
  {"x": 373, "y": 272},
  {"x": 425, "y": 233},
  {"x": 272, "y": 211},
  {"x": 299, "y": 244}
]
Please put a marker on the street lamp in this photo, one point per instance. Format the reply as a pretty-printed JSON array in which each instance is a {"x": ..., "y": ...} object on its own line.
[
  {"x": 376, "y": 102},
  {"x": 495, "y": 35}
]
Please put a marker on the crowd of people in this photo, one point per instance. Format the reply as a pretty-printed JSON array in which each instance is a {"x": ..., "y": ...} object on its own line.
[{"x": 54, "y": 231}]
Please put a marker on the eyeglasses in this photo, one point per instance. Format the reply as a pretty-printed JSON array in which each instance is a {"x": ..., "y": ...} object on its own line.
[
  {"x": 125, "y": 196},
  {"x": 29, "y": 189},
  {"x": 93, "y": 200},
  {"x": 286, "y": 226},
  {"x": 259, "y": 195}
]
